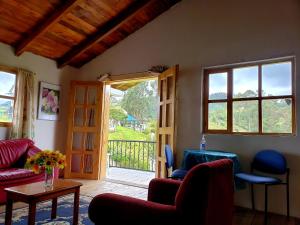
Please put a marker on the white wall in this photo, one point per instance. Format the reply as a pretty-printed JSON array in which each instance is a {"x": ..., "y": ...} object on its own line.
[
  {"x": 200, "y": 33},
  {"x": 48, "y": 134}
]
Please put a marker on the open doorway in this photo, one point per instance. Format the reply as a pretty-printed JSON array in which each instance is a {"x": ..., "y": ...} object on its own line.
[
  {"x": 132, "y": 130},
  {"x": 88, "y": 125}
]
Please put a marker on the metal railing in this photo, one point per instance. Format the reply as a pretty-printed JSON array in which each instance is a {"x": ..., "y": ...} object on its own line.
[{"x": 139, "y": 155}]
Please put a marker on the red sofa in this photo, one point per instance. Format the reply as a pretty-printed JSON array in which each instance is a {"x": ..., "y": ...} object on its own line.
[
  {"x": 204, "y": 197},
  {"x": 13, "y": 155}
]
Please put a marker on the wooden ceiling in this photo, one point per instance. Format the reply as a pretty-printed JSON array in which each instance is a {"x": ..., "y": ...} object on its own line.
[{"x": 73, "y": 32}]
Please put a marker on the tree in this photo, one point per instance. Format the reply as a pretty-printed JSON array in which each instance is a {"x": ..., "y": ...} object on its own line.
[
  {"x": 117, "y": 113},
  {"x": 141, "y": 101}
]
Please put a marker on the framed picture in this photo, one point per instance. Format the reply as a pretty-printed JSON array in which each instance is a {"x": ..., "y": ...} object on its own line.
[{"x": 49, "y": 101}]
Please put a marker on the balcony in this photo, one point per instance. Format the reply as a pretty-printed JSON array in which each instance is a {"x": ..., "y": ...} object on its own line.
[{"x": 131, "y": 161}]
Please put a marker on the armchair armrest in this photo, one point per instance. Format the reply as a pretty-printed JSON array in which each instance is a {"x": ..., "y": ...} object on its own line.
[
  {"x": 116, "y": 209},
  {"x": 163, "y": 191}
]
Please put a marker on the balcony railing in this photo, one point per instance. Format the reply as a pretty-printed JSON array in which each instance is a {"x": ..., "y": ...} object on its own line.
[{"x": 139, "y": 155}]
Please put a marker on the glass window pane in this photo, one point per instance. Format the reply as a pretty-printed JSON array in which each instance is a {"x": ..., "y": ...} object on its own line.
[
  {"x": 245, "y": 116},
  {"x": 217, "y": 116},
  {"x": 245, "y": 82},
  {"x": 218, "y": 86},
  {"x": 277, "y": 79},
  {"x": 7, "y": 84},
  {"x": 277, "y": 116},
  {"x": 6, "y": 110}
]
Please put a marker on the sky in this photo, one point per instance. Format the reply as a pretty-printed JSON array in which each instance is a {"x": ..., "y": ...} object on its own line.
[
  {"x": 276, "y": 80},
  {"x": 117, "y": 93},
  {"x": 7, "y": 80}
]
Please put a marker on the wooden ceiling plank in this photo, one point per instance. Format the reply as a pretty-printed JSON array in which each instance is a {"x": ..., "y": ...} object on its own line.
[
  {"x": 44, "y": 25},
  {"x": 105, "y": 30},
  {"x": 78, "y": 24}
]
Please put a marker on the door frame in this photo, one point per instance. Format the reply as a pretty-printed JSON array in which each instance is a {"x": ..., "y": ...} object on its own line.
[{"x": 116, "y": 79}]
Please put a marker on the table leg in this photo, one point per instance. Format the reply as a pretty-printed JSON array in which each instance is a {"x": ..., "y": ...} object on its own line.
[
  {"x": 54, "y": 208},
  {"x": 32, "y": 211},
  {"x": 76, "y": 206},
  {"x": 8, "y": 213}
]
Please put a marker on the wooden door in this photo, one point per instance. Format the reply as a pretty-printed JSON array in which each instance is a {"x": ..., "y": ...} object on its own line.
[
  {"x": 86, "y": 131},
  {"x": 166, "y": 117}
]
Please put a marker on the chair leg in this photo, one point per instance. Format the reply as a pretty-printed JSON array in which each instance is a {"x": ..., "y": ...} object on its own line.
[
  {"x": 167, "y": 171},
  {"x": 288, "y": 200},
  {"x": 266, "y": 204},
  {"x": 252, "y": 197}
]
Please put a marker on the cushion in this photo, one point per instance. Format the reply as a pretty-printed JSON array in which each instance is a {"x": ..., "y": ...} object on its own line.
[
  {"x": 179, "y": 174},
  {"x": 256, "y": 179},
  {"x": 270, "y": 161},
  {"x": 14, "y": 173},
  {"x": 12, "y": 150}
]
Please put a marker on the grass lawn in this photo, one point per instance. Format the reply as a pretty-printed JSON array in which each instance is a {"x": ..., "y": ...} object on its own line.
[{"x": 124, "y": 133}]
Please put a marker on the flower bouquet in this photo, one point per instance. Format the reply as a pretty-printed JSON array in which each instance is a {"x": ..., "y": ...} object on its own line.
[{"x": 46, "y": 161}]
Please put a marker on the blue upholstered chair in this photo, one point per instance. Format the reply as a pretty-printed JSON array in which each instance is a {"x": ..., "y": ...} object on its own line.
[
  {"x": 269, "y": 162},
  {"x": 176, "y": 174}
]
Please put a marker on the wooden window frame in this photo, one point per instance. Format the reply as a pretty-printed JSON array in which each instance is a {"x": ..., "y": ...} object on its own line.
[
  {"x": 259, "y": 98},
  {"x": 13, "y": 71}
]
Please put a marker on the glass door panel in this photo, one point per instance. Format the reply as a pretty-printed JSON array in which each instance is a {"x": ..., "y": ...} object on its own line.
[
  {"x": 80, "y": 95},
  {"x": 75, "y": 163},
  {"x": 92, "y": 95},
  {"x": 90, "y": 141},
  {"x": 88, "y": 163},
  {"x": 79, "y": 117},
  {"x": 91, "y": 117},
  {"x": 77, "y": 141}
]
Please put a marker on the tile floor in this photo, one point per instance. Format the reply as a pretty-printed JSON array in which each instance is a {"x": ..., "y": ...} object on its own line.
[
  {"x": 137, "y": 177},
  {"x": 93, "y": 188}
]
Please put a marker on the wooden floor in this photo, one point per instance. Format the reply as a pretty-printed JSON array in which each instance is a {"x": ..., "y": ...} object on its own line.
[{"x": 247, "y": 217}]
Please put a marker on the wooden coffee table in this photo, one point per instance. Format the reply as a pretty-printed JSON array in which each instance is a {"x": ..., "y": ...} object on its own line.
[{"x": 37, "y": 192}]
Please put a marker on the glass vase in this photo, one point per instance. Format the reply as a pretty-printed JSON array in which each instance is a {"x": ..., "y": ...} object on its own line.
[{"x": 49, "y": 177}]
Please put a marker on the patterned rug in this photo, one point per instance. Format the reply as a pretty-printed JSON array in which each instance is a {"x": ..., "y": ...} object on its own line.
[{"x": 43, "y": 215}]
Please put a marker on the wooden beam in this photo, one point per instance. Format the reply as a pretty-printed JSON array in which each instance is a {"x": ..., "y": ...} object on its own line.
[
  {"x": 105, "y": 30},
  {"x": 44, "y": 25}
]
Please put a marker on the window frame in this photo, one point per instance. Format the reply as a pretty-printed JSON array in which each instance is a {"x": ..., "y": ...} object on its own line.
[
  {"x": 229, "y": 70},
  {"x": 13, "y": 71}
]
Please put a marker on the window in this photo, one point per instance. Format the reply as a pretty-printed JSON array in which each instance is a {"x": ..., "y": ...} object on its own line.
[
  {"x": 7, "y": 95},
  {"x": 252, "y": 99}
]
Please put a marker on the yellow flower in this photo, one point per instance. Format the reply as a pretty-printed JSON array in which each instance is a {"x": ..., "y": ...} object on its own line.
[
  {"x": 46, "y": 159},
  {"x": 35, "y": 169}
]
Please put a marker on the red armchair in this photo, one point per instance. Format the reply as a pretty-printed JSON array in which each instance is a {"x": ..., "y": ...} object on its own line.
[{"x": 204, "y": 197}]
